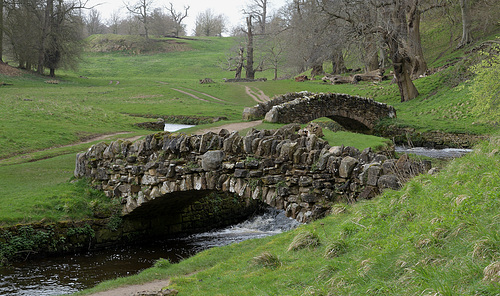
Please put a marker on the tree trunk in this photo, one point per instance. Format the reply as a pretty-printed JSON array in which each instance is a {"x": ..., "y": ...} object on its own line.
[
  {"x": 371, "y": 61},
  {"x": 401, "y": 62},
  {"x": 414, "y": 47},
  {"x": 317, "y": 70},
  {"x": 239, "y": 66},
  {"x": 250, "y": 72},
  {"x": 338, "y": 64},
  {"x": 45, "y": 31},
  {"x": 264, "y": 17},
  {"x": 1, "y": 30},
  {"x": 402, "y": 69},
  {"x": 466, "y": 23}
]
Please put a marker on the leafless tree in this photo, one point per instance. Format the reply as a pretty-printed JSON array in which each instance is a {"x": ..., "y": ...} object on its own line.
[
  {"x": 114, "y": 22},
  {"x": 178, "y": 17},
  {"x": 141, "y": 9},
  {"x": 94, "y": 23},
  {"x": 258, "y": 9},
  {"x": 391, "y": 24},
  {"x": 210, "y": 24}
]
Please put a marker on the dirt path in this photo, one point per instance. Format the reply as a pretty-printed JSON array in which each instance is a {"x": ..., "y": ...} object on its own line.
[
  {"x": 237, "y": 126},
  {"x": 190, "y": 94},
  {"x": 205, "y": 94},
  {"x": 259, "y": 96},
  {"x": 133, "y": 290}
]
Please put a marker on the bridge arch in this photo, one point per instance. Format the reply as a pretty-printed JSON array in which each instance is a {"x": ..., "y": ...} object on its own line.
[
  {"x": 352, "y": 112},
  {"x": 166, "y": 173}
]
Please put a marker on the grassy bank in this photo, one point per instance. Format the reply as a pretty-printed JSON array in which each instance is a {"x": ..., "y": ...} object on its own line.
[{"x": 436, "y": 236}]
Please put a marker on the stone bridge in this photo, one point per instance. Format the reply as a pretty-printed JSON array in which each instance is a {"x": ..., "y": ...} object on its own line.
[
  {"x": 351, "y": 112},
  {"x": 190, "y": 182}
]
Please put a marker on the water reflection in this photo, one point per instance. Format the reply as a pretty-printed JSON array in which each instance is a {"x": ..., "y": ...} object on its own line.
[{"x": 72, "y": 273}]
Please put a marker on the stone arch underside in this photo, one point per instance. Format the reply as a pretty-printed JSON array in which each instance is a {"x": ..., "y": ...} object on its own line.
[{"x": 187, "y": 212}]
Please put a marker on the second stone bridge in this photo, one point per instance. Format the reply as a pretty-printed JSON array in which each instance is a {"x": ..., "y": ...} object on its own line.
[{"x": 288, "y": 169}]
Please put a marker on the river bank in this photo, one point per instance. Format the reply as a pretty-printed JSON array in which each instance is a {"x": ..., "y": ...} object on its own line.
[{"x": 84, "y": 269}]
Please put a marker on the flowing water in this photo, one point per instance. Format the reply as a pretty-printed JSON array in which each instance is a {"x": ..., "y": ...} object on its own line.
[
  {"x": 172, "y": 127},
  {"x": 72, "y": 273},
  {"x": 446, "y": 153}
]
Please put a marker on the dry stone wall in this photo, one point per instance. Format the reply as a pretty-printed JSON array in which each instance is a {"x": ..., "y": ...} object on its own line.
[{"x": 285, "y": 168}]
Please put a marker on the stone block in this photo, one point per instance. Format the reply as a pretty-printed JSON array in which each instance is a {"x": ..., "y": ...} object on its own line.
[
  {"x": 241, "y": 173},
  {"x": 389, "y": 181},
  {"x": 212, "y": 160},
  {"x": 346, "y": 166}
]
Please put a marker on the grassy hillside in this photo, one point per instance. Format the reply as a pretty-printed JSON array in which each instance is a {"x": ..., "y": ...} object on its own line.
[
  {"x": 439, "y": 235},
  {"x": 436, "y": 236}
]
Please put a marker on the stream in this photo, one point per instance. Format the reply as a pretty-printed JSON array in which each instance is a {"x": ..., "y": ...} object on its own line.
[
  {"x": 446, "y": 153},
  {"x": 75, "y": 272}
]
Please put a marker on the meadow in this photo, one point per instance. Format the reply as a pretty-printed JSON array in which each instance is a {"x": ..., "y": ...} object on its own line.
[
  {"x": 436, "y": 236},
  {"x": 46, "y": 119}
]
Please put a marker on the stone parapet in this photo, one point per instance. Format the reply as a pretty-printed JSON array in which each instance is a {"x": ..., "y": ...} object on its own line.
[{"x": 352, "y": 112}]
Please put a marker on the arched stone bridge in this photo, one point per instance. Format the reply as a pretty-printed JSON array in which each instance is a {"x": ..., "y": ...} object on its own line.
[
  {"x": 167, "y": 175},
  {"x": 351, "y": 112}
]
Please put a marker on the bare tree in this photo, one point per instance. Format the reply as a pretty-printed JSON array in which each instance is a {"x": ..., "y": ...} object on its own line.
[
  {"x": 114, "y": 22},
  {"x": 258, "y": 10},
  {"x": 178, "y": 17},
  {"x": 249, "y": 67},
  {"x": 391, "y": 24},
  {"x": 141, "y": 9},
  {"x": 94, "y": 23},
  {"x": 210, "y": 24},
  {"x": 45, "y": 33},
  {"x": 162, "y": 24}
]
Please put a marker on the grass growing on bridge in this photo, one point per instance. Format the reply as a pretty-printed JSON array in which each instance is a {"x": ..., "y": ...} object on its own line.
[{"x": 438, "y": 235}]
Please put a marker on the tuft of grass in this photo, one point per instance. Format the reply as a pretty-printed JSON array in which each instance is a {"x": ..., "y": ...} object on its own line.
[
  {"x": 336, "y": 249},
  {"x": 267, "y": 260},
  {"x": 492, "y": 272},
  {"x": 162, "y": 263},
  {"x": 303, "y": 240}
]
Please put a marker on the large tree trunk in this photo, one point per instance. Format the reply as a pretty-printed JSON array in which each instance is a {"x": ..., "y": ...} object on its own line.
[
  {"x": 371, "y": 59},
  {"x": 414, "y": 47},
  {"x": 401, "y": 62},
  {"x": 338, "y": 64},
  {"x": 466, "y": 23},
  {"x": 402, "y": 69},
  {"x": 1, "y": 30},
  {"x": 317, "y": 70},
  {"x": 239, "y": 65},
  {"x": 250, "y": 72},
  {"x": 45, "y": 31}
]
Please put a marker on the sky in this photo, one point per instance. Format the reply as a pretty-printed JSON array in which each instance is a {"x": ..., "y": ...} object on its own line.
[{"x": 232, "y": 9}]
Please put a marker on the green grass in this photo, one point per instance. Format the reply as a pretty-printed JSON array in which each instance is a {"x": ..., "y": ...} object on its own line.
[
  {"x": 37, "y": 116},
  {"x": 435, "y": 236},
  {"x": 41, "y": 191}
]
